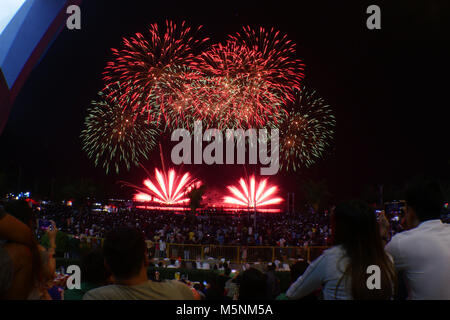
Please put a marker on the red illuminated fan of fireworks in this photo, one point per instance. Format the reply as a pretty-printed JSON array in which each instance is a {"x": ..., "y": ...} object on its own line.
[
  {"x": 252, "y": 195},
  {"x": 169, "y": 188}
]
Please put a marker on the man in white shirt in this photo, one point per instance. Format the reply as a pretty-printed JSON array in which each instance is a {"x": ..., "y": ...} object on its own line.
[{"x": 423, "y": 252}]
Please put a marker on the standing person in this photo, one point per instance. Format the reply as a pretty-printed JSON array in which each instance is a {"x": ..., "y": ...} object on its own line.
[
  {"x": 423, "y": 252},
  {"x": 156, "y": 248},
  {"x": 162, "y": 248},
  {"x": 341, "y": 270},
  {"x": 186, "y": 250}
]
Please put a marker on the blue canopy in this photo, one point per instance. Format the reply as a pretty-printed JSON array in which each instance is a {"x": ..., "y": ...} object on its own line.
[{"x": 27, "y": 27}]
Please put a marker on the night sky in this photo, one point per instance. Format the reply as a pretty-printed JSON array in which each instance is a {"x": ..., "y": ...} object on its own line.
[{"x": 388, "y": 88}]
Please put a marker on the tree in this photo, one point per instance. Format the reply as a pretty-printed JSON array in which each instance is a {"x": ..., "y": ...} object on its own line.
[
  {"x": 316, "y": 193},
  {"x": 78, "y": 189}
]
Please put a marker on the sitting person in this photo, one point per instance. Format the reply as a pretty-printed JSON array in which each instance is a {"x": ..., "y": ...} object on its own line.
[
  {"x": 253, "y": 285},
  {"x": 422, "y": 253},
  {"x": 172, "y": 264},
  {"x": 125, "y": 255},
  {"x": 93, "y": 275},
  {"x": 19, "y": 258},
  {"x": 341, "y": 271},
  {"x": 273, "y": 283},
  {"x": 216, "y": 288},
  {"x": 44, "y": 262}
]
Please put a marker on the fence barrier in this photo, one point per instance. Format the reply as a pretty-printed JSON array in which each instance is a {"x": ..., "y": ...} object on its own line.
[{"x": 233, "y": 253}]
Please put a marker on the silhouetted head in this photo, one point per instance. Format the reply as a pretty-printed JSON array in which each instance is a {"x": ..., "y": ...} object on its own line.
[
  {"x": 125, "y": 251},
  {"x": 253, "y": 285},
  {"x": 425, "y": 197}
]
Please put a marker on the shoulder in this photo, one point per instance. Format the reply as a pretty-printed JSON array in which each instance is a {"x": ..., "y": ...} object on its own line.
[
  {"x": 182, "y": 288},
  {"x": 397, "y": 243},
  {"x": 334, "y": 252},
  {"x": 101, "y": 293},
  {"x": 401, "y": 237}
]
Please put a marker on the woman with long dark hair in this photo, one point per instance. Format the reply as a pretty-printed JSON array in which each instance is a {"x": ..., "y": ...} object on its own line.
[{"x": 342, "y": 270}]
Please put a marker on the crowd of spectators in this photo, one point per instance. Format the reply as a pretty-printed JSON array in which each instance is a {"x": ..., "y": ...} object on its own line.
[
  {"x": 302, "y": 229},
  {"x": 416, "y": 259}
]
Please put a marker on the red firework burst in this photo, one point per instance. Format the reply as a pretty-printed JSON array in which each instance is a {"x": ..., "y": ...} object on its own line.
[
  {"x": 169, "y": 188},
  {"x": 253, "y": 74},
  {"x": 237, "y": 93},
  {"x": 276, "y": 63},
  {"x": 148, "y": 66},
  {"x": 251, "y": 195}
]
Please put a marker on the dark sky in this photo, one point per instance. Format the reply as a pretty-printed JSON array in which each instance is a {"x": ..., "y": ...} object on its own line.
[{"x": 388, "y": 87}]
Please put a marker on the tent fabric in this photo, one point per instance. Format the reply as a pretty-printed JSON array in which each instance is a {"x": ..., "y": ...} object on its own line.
[{"x": 23, "y": 41}]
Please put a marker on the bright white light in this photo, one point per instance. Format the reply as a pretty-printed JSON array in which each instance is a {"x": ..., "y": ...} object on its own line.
[{"x": 8, "y": 9}]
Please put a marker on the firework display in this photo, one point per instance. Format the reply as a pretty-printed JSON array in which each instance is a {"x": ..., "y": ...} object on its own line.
[
  {"x": 116, "y": 136},
  {"x": 306, "y": 131},
  {"x": 237, "y": 95},
  {"x": 252, "y": 194},
  {"x": 254, "y": 73},
  {"x": 148, "y": 67},
  {"x": 169, "y": 188},
  {"x": 273, "y": 59},
  {"x": 169, "y": 79},
  {"x": 243, "y": 83}
]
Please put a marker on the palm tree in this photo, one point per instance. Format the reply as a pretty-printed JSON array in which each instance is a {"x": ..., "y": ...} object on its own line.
[{"x": 195, "y": 197}]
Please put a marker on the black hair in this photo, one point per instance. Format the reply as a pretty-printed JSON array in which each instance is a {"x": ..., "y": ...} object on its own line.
[
  {"x": 21, "y": 210},
  {"x": 93, "y": 268},
  {"x": 425, "y": 196},
  {"x": 124, "y": 250},
  {"x": 297, "y": 269},
  {"x": 355, "y": 228},
  {"x": 271, "y": 267},
  {"x": 253, "y": 285}
]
